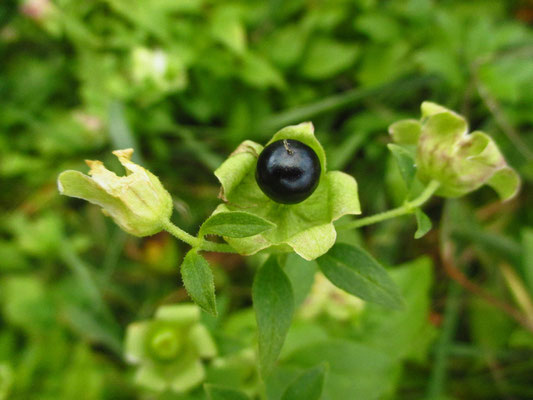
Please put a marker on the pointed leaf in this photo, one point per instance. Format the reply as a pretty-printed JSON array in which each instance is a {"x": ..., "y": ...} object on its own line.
[
  {"x": 406, "y": 163},
  {"x": 274, "y": 306},
  {"x": 423, "y": 222},
  {"x": 308, "y": 386},
  {"x": 354, "y": 270},
  {"x": 235, "y": 224},
  {"x": 198, "y": 280}
]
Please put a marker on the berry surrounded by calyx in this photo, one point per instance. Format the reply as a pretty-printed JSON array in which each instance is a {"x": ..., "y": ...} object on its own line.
[
  {"x": 288, "y": 171},
  {"x": 305, "y": 227}
]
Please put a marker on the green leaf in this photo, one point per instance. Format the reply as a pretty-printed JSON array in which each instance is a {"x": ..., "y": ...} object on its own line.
[
  {"x": 221, "y": 393},
  {"x": 236, "y": 224},
  {"x": 301, "y": 273},
  {"x": 227, "y": 28},
  {"x": 326, "y": 58},
  {"x": 423, "y": 222},
  {"x": 257, "y": 71},
  {"x": 274, "y": 305},
  {"x": 354, "y": 270},
  {"x": 355, "y": 371},
  {"x": 405, "y": 161},
  {"x": 308, "y": 386},
  {"x": 406, "y": 334},
  {"x": 198, "y": 280}
]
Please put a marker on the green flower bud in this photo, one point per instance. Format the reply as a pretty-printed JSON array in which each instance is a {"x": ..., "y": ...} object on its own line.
[
  {"x": 305, "y": 227},
  {"x": 169, "y": 349},
  {"x": 137, "y": 202},
  {"x": 459, "y": 161}
]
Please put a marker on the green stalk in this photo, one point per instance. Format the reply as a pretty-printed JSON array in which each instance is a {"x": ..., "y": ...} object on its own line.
[
  {"x": 193, "y": 241},
  {"x": 408, "y": 208},
  {"x": 437, "y": 380}
]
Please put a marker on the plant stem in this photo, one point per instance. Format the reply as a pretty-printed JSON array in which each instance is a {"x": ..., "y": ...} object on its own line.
[
  {"x": 199, "y": 243},
  {"x": 437, "y": 380},
  {"x": 407, "y": 208}
]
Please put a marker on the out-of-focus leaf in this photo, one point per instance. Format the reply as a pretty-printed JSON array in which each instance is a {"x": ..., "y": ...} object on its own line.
[
  {"x": 406, "y": 333},
  {"x": 327, "y": 57},
  {"x": 222, "y": 393},
  {"x": 258, "y": 72},
  {"x": 353, "y": 369},
  {"x": 274, "y": 305},
  {"x": 308, "y": 386},
  {"x": 301, "y": 273},
  {"x": 226, "y": 27}
]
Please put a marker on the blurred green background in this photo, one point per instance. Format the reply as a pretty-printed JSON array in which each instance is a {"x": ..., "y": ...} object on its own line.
[{"x": 184, "y": 82}]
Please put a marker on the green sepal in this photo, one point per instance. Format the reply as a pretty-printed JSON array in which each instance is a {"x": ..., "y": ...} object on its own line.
[
  {"x": 305, "y": 133},
  {"x": 137, "y": 202},
  {"x": 406, "y": 131}
]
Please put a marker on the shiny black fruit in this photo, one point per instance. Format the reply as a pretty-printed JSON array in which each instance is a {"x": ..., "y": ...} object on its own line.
[{"x": 288, "y": 171}]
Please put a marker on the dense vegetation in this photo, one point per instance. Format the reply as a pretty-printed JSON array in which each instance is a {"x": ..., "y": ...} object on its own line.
[{"x": 184, "y": 82}]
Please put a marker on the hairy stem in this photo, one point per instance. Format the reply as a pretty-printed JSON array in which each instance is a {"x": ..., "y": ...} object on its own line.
[
  {"x": 193, "y": 241},
  {"x": 407, "y": 208}
]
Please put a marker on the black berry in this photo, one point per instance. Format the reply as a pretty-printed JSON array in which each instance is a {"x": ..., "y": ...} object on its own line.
[{"x": 288, "y": 171}]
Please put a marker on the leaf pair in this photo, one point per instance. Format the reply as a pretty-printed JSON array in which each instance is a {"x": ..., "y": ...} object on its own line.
[
  {"x": 348, "y": 267},
  {"x": 195, "y": 271}
]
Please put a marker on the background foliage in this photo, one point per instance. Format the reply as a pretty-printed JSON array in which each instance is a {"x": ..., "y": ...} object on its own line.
[{"x": 184, "y": 82}]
